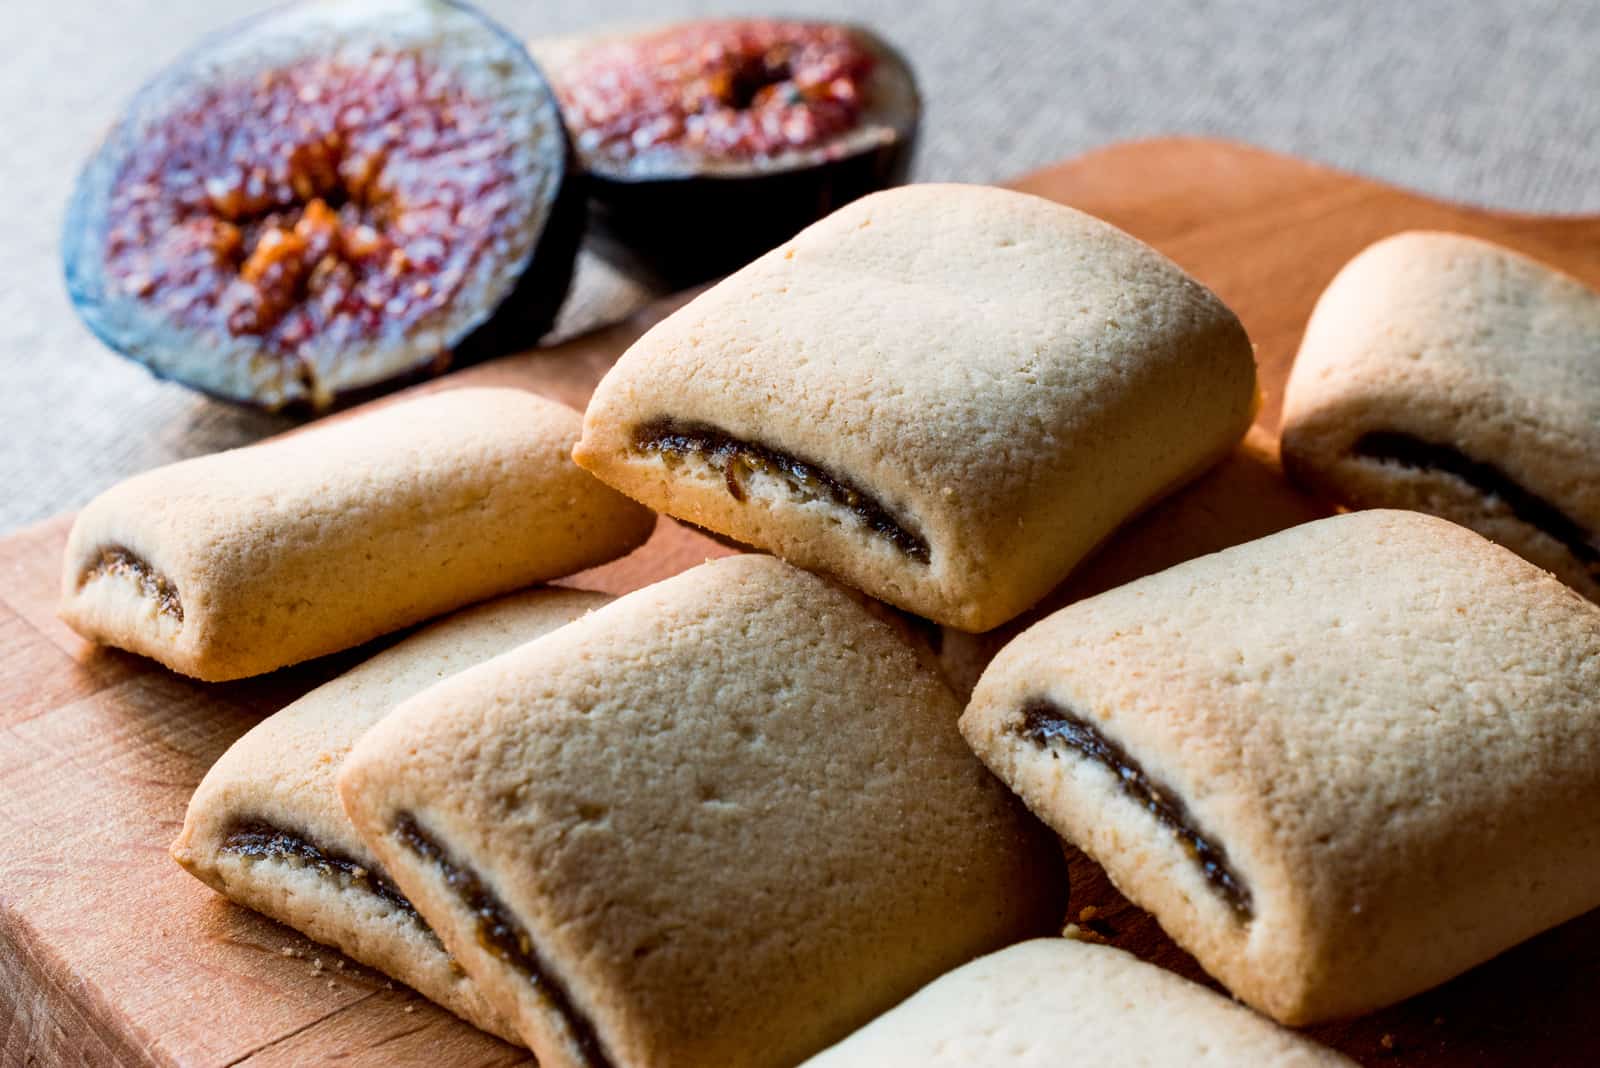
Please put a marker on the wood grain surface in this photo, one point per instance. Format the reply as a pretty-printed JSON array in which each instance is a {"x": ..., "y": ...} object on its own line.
[{"x": 111, "y": 954}]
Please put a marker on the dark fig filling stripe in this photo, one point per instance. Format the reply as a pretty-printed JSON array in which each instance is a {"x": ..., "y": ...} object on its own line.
[
  {"x": 1052, "y": 727},
  {"x": 736, "y": 458},
  {"x": 499, "y": 932},
  {"x": 259, "y": 839},
  {"x": 1392, "y": 446},
  {"x": 115, "y": 560}
]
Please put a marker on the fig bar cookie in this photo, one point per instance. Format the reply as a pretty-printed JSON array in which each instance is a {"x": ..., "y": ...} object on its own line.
[
  {"x": 946, "y": 395},
  {"x": 1339, "y": 765},
  {"x": 1053, "y": 1002},
  {"x": 725, "y": 819},
  {"x": 1243, "y": 498},
  {"x": 1451, "y": 376},
  {"x": 246, "y": 561},
  {"x": 265, "y": 827}
]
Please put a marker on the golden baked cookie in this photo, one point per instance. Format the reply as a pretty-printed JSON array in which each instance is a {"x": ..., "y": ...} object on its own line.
[
  {"x": 1243, "y": 498},
  {"x": 265, "y": 828},
  {"x": 1452, "y": 376},
  {"x": 246, "y": 561},
  {"x": 726, "y": 819},
  {"x": 1054, "y": 1002},
  {"x": 945, "y": 395},
  {"x": 1340, "y": 764}
]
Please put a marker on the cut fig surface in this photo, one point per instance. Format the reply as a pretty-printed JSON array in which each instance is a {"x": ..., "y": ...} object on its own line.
[
  {"x": 708, "y": 143},
  {"x": 328, "y": 199}
]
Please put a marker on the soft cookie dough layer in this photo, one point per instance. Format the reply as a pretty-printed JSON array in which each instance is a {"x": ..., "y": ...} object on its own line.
[
  {"x": 265, "y": 827},
  {"x": 246, "y": 561},
  {"x": 724, "y": 820},
  {"x": 1243, "y": 498},
  {"x": 1339, "y": 765},
  {"x": 946, "y": 395},
  {"x": 1448, "y": 375},
  {"x": 1053, "y": 1002}
]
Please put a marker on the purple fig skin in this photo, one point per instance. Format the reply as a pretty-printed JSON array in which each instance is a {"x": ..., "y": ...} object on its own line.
[
  {"x": 508, "y": 321},
  {"x": 676, "y": 229}
]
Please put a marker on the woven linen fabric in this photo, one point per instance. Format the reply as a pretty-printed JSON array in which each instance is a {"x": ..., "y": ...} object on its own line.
[{"x": 1495, "y": 103}]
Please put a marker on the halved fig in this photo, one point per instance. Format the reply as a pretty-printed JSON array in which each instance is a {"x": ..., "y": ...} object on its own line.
[
  {"x": 708, "y": 143},
  {"x": 328, "y": 199}
]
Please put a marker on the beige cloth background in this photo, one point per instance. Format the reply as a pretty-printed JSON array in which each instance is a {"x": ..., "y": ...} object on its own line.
[{"x": 1491, "y": 102}]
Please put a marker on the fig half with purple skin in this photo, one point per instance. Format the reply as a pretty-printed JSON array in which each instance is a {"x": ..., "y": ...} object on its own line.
[
  {"x": 330, "y": 199},
  {"x": 708, "y": 143}
]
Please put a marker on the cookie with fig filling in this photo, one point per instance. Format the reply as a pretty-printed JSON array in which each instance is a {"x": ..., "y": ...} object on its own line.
[
  {"x": 945, "y": 395},
  {"x": 265, "y": 829},
  {"x": 726, "y": 819},
  {"x": 1340, "y": 764},
  {"x": 246, "y": 561},
  {"x": 1243, "y": 498},
  {"x": 1452, "y": 376},
  {"x": 1053, "y": 1002}
]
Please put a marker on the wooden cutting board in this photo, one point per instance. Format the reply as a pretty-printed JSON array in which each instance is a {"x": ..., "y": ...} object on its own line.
[{"x": 110, "y": 954}]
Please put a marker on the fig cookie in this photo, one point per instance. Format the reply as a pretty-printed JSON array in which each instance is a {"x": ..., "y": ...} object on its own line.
[
  {"x": 1053, "y": 1002},
  {"x": 1243, "y": 498},
  {"x": 726, "y": 819},
  {"x": 1340, "y": 764},
  {"x": 1448, "y": 375},
  {"x": 265, "y": 828},
  {"x": 945, "y": 395},
  {"x": 246, "y": 561}
]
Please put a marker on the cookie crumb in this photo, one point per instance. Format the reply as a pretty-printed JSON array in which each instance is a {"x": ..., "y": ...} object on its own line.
[
  {"x": 1087, "y": 913},
  {"x": 410, "y": 1008},
  {"x": 1387, "y": 1041},
  {"x": 1082, "y": 934}
]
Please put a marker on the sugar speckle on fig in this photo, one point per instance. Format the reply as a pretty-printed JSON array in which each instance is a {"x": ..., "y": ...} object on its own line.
[
  {"x": 708, "y": 143},
  {"x": 327, "y": 200}
]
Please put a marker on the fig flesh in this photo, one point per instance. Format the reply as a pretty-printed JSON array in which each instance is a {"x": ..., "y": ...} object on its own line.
[
  {"x": 708, "y": 143},
  {"x": 326, "y": 200}
]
